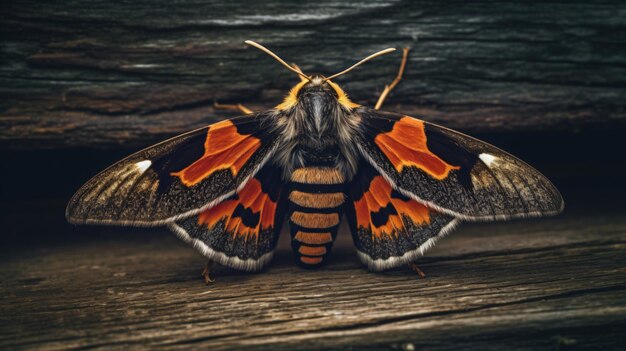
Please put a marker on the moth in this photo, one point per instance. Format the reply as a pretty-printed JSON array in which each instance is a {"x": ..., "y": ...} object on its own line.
[{"x": 401, "y": 182}]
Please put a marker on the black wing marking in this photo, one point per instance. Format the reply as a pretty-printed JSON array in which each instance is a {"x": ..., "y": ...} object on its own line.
[
  {"x": 452, "y": 172},
  {"x": 177, "y": 178}
]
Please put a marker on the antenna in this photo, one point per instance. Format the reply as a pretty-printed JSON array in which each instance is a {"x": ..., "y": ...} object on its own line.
[
  {"x": 382, "y": 52},
  {"x": 267, "y": 51}
]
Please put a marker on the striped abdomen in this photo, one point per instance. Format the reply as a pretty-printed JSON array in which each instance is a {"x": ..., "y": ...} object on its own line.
[{"x": 316, "y": 198}]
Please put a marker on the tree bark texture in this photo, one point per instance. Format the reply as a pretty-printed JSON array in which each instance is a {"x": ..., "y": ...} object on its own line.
[{"x": 112, "y": 74}]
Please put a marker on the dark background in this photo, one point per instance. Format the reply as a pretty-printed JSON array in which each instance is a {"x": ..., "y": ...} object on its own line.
[{"x": 587, "y": 166}]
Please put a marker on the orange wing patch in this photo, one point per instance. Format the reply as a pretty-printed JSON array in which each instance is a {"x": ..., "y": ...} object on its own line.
[
  {"x": 250, "y": 213},
  {"x": 405, "y": 146},
  {"x": 224, "y": 148},
  {"x": 383, "y": 213}
]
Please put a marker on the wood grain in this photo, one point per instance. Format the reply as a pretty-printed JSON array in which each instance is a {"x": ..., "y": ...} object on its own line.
[
  {"x": 542, "y": 284},
  {"x": 125, "y": 74}
]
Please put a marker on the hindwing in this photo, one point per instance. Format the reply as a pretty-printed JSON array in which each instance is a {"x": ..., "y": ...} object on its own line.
[
  {"x": 242, "y": 231},
  {"x": 390, "y": 229}
]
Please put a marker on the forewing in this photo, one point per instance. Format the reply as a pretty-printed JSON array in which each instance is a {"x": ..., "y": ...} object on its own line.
[
  {"x": 388, "y": 228},
  {"x": 177, "y": 178},
  {"x": 242, "y": 231},
  {"x": 452, "y": 172}
]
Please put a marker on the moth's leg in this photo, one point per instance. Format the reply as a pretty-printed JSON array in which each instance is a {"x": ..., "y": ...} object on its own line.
[
  {"x": 206, "y": 273},
  {"x": 238, "y": 107},
  {"x": 241, "y": 107},
  {"x": 389, "y": 88},
  {"x": 417, "y": 270}
]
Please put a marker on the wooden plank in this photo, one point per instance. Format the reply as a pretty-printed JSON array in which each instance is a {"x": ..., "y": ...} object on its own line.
[
  {"x": 133, "y": 73},
  {"x": 518, "y": 285}
]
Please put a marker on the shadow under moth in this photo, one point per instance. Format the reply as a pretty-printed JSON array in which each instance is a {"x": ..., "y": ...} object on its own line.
[{"x": 401, "y": 182}]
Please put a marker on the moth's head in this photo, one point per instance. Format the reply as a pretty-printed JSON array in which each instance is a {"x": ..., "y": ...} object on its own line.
[
  {"x": 316, "y": 86},
  {"x": 319, "y": 88}
]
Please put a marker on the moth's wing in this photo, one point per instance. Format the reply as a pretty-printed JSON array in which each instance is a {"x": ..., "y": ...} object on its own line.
[
  {"x": 242, "y": 231},
  {"x": 177, "y": 178},
  {"x": 388, "y": 228},
  {"x": 452, "y": 172}
]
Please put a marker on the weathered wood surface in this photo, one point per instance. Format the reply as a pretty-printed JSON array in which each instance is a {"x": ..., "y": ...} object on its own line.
[
  {"x": 129, "y": 73},
  {"x": 543, "y": 284}
]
